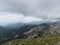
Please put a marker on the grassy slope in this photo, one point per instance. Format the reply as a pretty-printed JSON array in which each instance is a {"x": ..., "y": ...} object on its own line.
[{"x": 47, "y": 40}]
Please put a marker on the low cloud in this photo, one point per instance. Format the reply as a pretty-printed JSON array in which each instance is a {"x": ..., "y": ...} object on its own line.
[{"x": 8, "y": 18}]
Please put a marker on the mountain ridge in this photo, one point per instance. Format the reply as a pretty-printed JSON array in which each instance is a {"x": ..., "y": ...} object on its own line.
[{"x": 31, "y": 31}]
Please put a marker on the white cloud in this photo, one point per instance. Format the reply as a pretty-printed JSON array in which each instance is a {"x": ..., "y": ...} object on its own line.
[
  {"x": 6, "y": 18},
  {"x": 28, "y": 10},
  {"x": 38, "y": 8}
]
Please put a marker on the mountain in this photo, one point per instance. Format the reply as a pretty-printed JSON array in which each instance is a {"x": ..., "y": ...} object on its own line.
[
  {"x": 44, "y": 30},
  {"x": 20, "y": 24},
  {"x": 15, "y": 25},
  {"x": 30, "y": 30},
  {"x": 3, "y": 30},
  {"x": 12, "y": 33}
]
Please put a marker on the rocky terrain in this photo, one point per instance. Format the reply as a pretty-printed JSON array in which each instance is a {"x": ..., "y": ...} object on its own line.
[{"x": 29, "y": 31}]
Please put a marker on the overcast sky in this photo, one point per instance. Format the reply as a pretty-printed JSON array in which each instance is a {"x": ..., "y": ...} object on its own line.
[{"x": 30, "y": 9}]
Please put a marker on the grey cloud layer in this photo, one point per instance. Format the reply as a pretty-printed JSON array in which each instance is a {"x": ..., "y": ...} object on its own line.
[{"x": 38, "y": 8}]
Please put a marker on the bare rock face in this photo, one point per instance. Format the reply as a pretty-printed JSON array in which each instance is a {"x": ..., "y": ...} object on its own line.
[
  {"x": 37, "y": 31},
  {"x": 43, "y": 30}
]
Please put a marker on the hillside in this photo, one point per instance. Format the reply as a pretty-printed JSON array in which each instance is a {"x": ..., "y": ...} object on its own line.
[
  {"x": 45, "y": 40},
  {"x": 31, "y": 31}
]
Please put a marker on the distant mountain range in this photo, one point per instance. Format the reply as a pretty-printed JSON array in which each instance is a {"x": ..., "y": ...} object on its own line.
[{"x": 18, "y": 25}]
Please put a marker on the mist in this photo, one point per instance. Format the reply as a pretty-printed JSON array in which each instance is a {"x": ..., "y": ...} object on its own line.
[{"x": 31, "y": 10}]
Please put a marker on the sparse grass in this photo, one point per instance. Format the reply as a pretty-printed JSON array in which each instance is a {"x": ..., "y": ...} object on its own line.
[{"x": 46, "y": 40}]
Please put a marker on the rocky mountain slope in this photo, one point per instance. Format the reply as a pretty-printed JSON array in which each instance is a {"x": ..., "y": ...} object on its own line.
[
  {"x": 31, "y": 31},
  {"x": 43, "y": 30}
]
